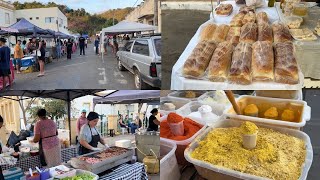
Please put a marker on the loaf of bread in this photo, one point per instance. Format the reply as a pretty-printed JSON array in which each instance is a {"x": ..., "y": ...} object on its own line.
[
  {"x": 262, "y": 61},
  {"x": 234, "y": 35},
  {"x": 220, "y": 62},
  {"x": 220, "y": 33},
  {"x": 262, "y": 18},
  {"x": 281, "y": 33},
  {"x": 199, "y": 59},
  {"x": 249, "y": 33},
  {"x": 207, "y": 32},
  {"x": 265, "y": 32},
  {"x": 286, "y": 66},
  {"x": 246, "y": 9},
  {"x": 240, "y": 69},
  {"x": 250, "y": 17},
  {"x": 236, "y": 20}
]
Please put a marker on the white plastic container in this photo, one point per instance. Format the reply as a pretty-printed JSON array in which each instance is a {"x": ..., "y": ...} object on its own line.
[
  {"x": 182, "y": 145},
  {"x": 210, "y": 171},
  {"x": 168, "y": 164},
  {"x": 217, "y": 101},
  {"x": 124, "y": 143},
  {"x": 181, "y": 95},
  {"x": 178, "y": 102},
  {"x": 302, "y": 110}
]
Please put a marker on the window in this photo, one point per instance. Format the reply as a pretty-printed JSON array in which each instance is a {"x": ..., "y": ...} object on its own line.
[
  {"x": 128, "y": 46},
  {"x": 49, "y": 19},
  {"x": 37, "y": 17},
  {"x": 61, "y": 22},
  {"x": 7, "y": 18},
  {"x": 141, "y": 47},
  {"x": 157, "y": 44},
  {"x": 30, "y": 18}
]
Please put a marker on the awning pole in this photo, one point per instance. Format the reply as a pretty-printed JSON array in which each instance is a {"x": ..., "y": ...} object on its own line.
[{"x": 69, "y": 114}]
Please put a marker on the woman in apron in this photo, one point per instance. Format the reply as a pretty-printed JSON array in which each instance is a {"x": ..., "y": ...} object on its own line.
[
  {"x": 45, "y": 132},
  {"x": 89, "y": 136}
]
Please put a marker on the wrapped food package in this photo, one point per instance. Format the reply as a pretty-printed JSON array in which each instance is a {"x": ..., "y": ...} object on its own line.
[
  {"x": 249, "y": 33},
  {"x": 220, "y": 62},
  {"x": 240, "y": 69},
  {"x": 207, "y": 32},
  {"x": 199, "y": 59},
  {"x": 234, "y": 35},
  {"x": 240, "y": 2},
  {"x": 236, "y": 20},
  {"x": 246, "y": 9},
  {"x": 262, "y": 18},
  {"x": 265, "y": 32},
  {"x": 220, "y": 33},
  {"x": 224, "y": 9},
  {"x": 286, "y": 67},
  {"x": 262, "y": 61},
  {"x": 281, "y": 33},
  {"x": 250, "y": 17}
]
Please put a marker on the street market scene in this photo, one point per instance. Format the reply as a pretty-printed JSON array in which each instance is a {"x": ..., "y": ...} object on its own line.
[
  {"x": 117, "y": 45},
  {"x": 84, "y": 134}
]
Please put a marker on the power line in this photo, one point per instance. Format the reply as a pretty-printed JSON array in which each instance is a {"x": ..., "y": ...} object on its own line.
[{"x": 135, "y": 3}]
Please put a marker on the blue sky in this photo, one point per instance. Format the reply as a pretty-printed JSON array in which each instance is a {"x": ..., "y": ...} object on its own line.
[{"x": 92, "y": 6}]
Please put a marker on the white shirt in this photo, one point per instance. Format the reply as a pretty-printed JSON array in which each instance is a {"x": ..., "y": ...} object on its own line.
[{"x": 85, "y": 133}]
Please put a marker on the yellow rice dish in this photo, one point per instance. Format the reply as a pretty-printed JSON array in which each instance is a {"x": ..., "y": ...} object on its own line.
[{"x": 276, "y": 156}]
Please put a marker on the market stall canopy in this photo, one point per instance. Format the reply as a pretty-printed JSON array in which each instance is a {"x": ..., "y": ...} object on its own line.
[
  {"x": 8, "y": 30},
  {"x": 128, "y": 27},
  {"x": 25, "y": 28},
  {"x": 129, "y": 97}
]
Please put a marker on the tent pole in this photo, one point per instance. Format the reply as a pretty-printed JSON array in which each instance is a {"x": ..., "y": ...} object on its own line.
[{"x": 69, "y": 115}]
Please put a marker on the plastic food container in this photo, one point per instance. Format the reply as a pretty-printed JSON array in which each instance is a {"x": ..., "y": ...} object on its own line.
[
  {"x": 300, "y": 9},
  {"x": 182, "y": 145},
  {"x": 168, "y": 164},
  {"x": 177, "y": 128},
  {"x": 182, "y": 95},
  {"x": 217, "y": 101},
  {"x": 290, "y": 94},
  {"x": 293, "y": 22},
  {"x": 301, "y": 109},
  {"x": 178, "y": 102},
  {"x": 212, "y": 172}
]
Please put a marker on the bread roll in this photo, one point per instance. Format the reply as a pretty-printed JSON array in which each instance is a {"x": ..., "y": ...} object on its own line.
[
  {"x": 236, "y": 21},
  {"x": 198, "y": 61},
  {"x": 265, "y": 32},
  {"x": 262, "y": 61},
  {"x": 240, "y": 69},
  {"x": 250, "y": 17},
  {"x": 281, "y": 33},
  {"x": 207, "y": 32},
  {"x": 249, "y": 33},
  {"x": 234, "y": 35},
  {"x": 220, "y": 62},
  {"x": 262, "y": 18},
  {"x": 286, "y": 66},
  {"x": 220, "y": 33},
  {"x": 224, "y": 9}
]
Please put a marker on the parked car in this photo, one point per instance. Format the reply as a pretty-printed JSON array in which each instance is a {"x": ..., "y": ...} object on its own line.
[{"x": 142, "y": 57}]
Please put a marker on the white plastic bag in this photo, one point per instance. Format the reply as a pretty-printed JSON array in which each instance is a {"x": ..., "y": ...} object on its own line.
[{"x": 256, "y": 3}]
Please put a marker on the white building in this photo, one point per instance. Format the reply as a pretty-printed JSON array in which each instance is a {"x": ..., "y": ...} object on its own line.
[
  {"x": 46, "y": 18},
  {"x": 6, "y": 14}
]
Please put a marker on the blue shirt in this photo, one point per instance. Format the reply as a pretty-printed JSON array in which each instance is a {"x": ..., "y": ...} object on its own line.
[
  {"x": 96, "y": 42},
  {"x": 4, "y": 57}
]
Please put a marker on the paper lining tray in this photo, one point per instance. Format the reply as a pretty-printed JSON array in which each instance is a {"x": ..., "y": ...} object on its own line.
[
  {"x": 212, "y": 172},
  {"x": 301, "y": 109},
  {"x": 103, "y": 165}
]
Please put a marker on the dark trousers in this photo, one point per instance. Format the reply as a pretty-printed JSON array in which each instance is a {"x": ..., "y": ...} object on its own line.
[
  {"x": 69, "y": 54},
  {"x": 82, "y": 50},
  {"x": 97, "y": 49}
]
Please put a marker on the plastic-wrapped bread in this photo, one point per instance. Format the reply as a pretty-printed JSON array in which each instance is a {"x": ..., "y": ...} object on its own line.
[
  {"x": 220, "y": 62},
  {"x": 246, "y": 9},
  {"x": 234, "y": 35},
  {"x": 240, "y": 69},
  {"x": 262, "y": 61},
  {"x": 236, "y": 21},
  {"x": 250, "y": 17},
  {"x": 265, "y": 32},
  {"x": 262, "y": 18},
  {"x": 249, "y": 33},
  {"x": 281, "y": 33},
  {"x": 220, "y": 33},
  {"x": 198, "y": 61},
  {"x": 207, "y": 32},
  {"x": 286, "y": 66}
]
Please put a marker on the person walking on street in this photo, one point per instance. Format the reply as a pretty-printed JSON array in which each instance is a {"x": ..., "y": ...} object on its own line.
[
  {"x": 86, "y": 43},
  {"x": 69, "y": 49},
  {"x": 58, "y": 45},
  {"x": 24, "y": 46},
  {"x": 74, "y": 46},
  {"x": 115, "y": 44},
  {"x": 42, "y": 57},
  {"x": 96, "y": 44},
  {"x": 105, "y": 44},
  {"x": 82, "y": 44},
  {"x": 4, "y": 63},
  {"x": 18, "y": 55}
]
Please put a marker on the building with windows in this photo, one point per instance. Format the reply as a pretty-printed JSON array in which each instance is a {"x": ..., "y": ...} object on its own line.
[
  {"x": 6, "y": 14},
  {"x": 46, "y": 18}
]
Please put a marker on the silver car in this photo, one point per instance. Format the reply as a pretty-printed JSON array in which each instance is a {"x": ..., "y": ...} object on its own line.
[{"x": 142, "y": 57}]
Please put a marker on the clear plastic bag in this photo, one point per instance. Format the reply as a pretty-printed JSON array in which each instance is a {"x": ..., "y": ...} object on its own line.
[
  {"x": 262, "y": 17},
  {"x": 207, "y": 32},
  {"x": 281, "y": 32},
  {"x": 249, "y": 33},
  {"x": 256, "y": 3},
  {"x": 234, "y": 35},
  {"x": 220, "y": 33},
  {"x": 250, "y": 17},
  {"x": 262, "y": 61},
  {"x": 236, "y": 21},
  {"x": 265, "y": 32}
]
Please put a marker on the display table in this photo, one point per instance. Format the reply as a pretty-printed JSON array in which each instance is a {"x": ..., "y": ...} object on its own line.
[
  {"x": 134, "y": 171},
  {"x": 32, "y": 161}
]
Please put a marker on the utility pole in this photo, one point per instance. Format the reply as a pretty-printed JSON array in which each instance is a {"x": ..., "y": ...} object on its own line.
[{"x": 155, "y": 20}]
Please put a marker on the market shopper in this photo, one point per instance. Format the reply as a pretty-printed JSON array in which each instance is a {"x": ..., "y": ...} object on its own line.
[
  {"x": 105, "y": 44},
  {"x": 74, "y": 46},
  {"x": 58, "y": 45},
  {"x": 123, "y": 124},
  {"x": 86, "y": 43},
  {"x": 42, "y": 57},
  {"x": 24, "y": 46},
  {"x": 69, "y": 49},
  {"x": 96, "y": 44},
  {"x": 18, "y": 55},
  {"x": 82, "y": 44},
  {"x": 4, "y": 63},
  {"x": 45, "y": 132},
  {"x": 89, "y": 136},
  {"x": 136, "y": 124},
  {"x": 153, "y": 121},
  {"x": 82, "y": 120},
  {"x": 115, "y": 44}
]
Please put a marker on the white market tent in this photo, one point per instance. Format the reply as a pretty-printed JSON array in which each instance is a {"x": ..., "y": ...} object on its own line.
[{"x": 125, "y": 27}]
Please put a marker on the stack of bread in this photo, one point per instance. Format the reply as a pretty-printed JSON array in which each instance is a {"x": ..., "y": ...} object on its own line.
[{"x": 248, "y": 49}]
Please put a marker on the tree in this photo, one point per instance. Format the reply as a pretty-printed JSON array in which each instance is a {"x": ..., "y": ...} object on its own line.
[{"x": 23, "y": 108}]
